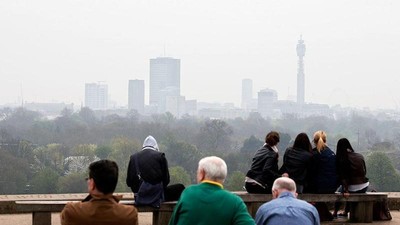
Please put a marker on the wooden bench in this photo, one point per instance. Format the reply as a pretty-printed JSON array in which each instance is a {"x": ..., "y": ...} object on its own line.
[
  {"x": 361, "y": 210},
  {"x": 41, "y": 210}
]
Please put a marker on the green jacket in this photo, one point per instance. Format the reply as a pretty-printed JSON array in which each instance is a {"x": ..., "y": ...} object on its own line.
[{"x": 207, "y": 204}]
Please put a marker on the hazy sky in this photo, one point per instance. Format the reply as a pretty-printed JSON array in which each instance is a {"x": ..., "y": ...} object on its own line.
[{"x": 50, "y": 48}]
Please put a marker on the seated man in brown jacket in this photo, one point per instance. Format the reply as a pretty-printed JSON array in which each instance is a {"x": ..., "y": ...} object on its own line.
[{"x": 101, "y": 207}]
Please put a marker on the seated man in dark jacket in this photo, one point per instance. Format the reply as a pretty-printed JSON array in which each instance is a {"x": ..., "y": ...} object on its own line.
[{"x": 153, "y": 168}]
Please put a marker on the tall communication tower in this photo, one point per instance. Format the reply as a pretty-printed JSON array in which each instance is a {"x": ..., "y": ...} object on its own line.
[{"x": 301, "y": 51}]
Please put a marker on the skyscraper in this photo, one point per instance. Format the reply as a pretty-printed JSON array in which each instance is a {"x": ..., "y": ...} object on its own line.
[
  {"x": 96, "y": 96},
  {"x": 136, "y": 95},
  {"x": 301, "y": 51},
  {"x": 247, "y": 93},
  {"x": 164, "y": 75}
]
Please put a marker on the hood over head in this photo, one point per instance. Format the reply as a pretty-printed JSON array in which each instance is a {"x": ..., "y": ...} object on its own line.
[{"x": 150, "y": 143}]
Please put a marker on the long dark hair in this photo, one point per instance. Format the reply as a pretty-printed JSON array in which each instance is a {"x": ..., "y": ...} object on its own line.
[
  {"x": 302, "y": 142},
  {"x": 342, "y": 150}
]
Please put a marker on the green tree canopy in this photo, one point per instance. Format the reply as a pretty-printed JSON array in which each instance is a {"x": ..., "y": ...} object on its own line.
[
  {"x": 381, "y": 172},
  {"x": 235, "y": 181},
  {"x": 44, "y": 181},
  {"x": 73, "y": 183},
  {"x": 251, "y": 144},
  {"x": 178, "y": 175},
  {"x": 215, "y": 136}
]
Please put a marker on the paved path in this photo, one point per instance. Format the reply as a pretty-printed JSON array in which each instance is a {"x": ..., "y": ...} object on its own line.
[
  {"x": 145, "y": 219},
  {"x": 395, "y": 221}
]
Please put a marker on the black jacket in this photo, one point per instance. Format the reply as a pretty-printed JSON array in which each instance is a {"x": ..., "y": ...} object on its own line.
[
  {"x": 297, "y": 162},
  {"x": 153, "y": 168},
  {"x": 264, "y": 168}
]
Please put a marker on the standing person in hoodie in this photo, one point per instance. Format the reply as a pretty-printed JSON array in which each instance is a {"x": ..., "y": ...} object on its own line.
[
  {"x": 264, "y": 167},
  {"x": 153, "y": 168}
]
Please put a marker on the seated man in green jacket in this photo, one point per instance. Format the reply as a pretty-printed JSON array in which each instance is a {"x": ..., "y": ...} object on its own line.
[{"x": 207, "y": 202}]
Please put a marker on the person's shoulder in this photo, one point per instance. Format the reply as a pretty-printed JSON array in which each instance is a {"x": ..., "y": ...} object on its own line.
[
  {"x": 191, "y": 188},
  {"x": 269, "y": 205},
  {"x": 290, "y": 148},
  {"x": 356, "y": 154},
  {"x": 329, "y": 150},
  {"x": 71, "y": 210},
  {"x": 127, "y": 210},
  {"x": 231, "y": 197},
  {"x": 73, "y": 205},
  {"x": 304, "y": 204},
  {"x": 134, "y": 155}
]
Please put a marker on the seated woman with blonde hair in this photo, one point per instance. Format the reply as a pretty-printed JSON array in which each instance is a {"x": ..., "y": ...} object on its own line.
[{"x": 323, "y": 179}]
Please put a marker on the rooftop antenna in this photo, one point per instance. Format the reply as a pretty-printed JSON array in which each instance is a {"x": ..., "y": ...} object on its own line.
[
  {"x": 165, "y": 50},
  {"x": 22, "y": 96}
]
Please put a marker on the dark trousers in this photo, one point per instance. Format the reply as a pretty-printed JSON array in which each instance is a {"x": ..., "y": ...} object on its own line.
[
  {"x": 173, "y": 192},
  {"x": 256, "y": 189}
]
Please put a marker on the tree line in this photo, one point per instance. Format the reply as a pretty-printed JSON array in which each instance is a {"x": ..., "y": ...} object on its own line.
[{"x": 39, "y": 155}]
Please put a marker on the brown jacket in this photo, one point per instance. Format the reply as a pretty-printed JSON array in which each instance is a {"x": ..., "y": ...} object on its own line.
[{"x": 98, "y": 210}]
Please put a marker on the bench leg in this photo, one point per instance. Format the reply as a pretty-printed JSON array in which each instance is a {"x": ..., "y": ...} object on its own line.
[
  {"x": 252, "y": 208},
  {"x": 41, "y": 218},
  {"x": 361, "y": 212},
  {"x": 162, "y": 217},
  {"x": 155, "y": 218}
]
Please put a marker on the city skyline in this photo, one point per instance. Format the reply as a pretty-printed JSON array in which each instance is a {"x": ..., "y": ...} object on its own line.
[{"x": 49, "y": 50}]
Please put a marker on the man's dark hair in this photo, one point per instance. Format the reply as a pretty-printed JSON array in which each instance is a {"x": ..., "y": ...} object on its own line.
[{"x": 105, "y": 175}]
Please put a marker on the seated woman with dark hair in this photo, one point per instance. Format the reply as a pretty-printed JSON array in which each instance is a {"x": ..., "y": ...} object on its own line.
[
  {"x": 351, "y": 171},
  {"x": 297, "y": 161},
  {"x": 264, "y": 167}
]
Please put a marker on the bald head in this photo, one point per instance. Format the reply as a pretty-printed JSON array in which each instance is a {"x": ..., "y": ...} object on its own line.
[
  {"x": 212, "y": 168},
  {"x": 283, "y": 184}
]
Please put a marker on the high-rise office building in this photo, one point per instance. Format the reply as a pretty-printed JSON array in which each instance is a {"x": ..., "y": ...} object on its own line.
[
  {"x": 164, "y": 75},
  {"x": 136, "y": 95},
  {"x": 96, "y": 96},
  {"x": 301, "y": 51},
  {"x": 247, "y": 93}
]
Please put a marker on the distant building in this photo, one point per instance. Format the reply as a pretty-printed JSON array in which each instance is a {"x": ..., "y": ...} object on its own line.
[
  {"x": 165, "y": 93},
  {"x": 96, "y": 96},
  {"x": 136, "y": 95},
  {"x": 247, "y": 93},
  {"x": 164, "y": 76},
  {"x": 301, "y": 51},
  {"x": 266, "y": 101},
  {"x": 175, "y": 105},
  {"x": 191, "y": 107},
  {"x": 219, "y": 111},
  {"x": 50, "y": 110}
]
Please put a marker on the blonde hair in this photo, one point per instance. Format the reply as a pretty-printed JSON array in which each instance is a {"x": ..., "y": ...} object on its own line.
[{"x": 320, "y": 140}]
